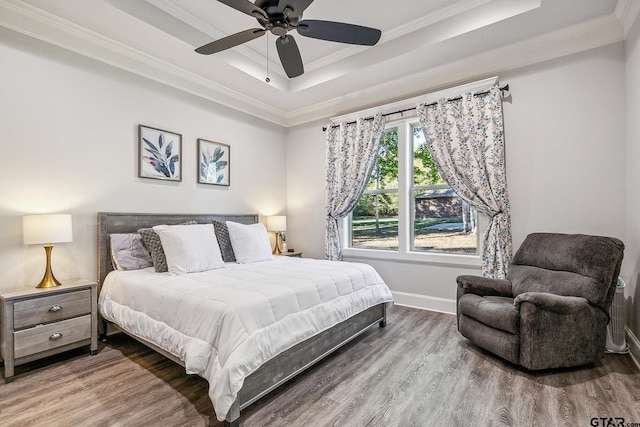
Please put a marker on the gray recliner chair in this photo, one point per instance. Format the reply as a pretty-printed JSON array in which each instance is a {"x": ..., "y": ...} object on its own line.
[{"x": 552, "y": 310}]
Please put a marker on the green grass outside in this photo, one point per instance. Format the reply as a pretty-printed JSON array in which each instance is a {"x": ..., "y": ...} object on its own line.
[{"x": 365, "y": 235}]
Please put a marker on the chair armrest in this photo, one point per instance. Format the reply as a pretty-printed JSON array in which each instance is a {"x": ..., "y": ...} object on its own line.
[
  {"x": 552, "y": 302},
  {"x": 484, "y": 286}
]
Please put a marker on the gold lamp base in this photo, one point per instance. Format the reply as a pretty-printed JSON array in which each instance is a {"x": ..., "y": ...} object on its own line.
[
  {"x": 48, "y": 280},
  {"x": 276, "y": 250}
]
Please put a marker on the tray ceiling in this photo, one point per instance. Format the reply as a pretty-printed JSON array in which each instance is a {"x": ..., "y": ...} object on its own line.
[{"x": 425, "y": 45}]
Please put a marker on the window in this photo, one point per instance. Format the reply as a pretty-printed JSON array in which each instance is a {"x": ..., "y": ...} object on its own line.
[
  {"x": 407, "y": 206},
  {"x": 375, "y": 217},
  {"x": 442, "y": 222}
]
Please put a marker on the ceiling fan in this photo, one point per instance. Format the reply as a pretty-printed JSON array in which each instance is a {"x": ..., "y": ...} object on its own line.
[{"x": 281, "y": 16}]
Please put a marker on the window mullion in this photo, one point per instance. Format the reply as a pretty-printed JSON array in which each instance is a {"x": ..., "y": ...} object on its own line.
[
  {"x": 430, "y": 187},
  {"x": 381, "y": 191},
  {"x": 404, "y": 175}
]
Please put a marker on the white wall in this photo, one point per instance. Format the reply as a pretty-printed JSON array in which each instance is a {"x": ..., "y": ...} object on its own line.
[
  {"x": 305, "y": 189},
  {"x": 564, "y": 132},
  {"x": 69, "y": 144},
  {"x": 631, "y": 266},
  {"x": 565, "y": 166}
]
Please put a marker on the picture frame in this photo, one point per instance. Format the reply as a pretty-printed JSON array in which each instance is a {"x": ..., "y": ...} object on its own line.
[
  {"x": 214, "y": 163},
  {"x": 159, "y": 154}
]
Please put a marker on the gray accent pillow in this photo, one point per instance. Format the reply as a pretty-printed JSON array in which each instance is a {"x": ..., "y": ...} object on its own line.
[
  {"x": 128, "y": 252},
  {"x": 152, "y": 242},
  {"x": 222, "y": 234}
]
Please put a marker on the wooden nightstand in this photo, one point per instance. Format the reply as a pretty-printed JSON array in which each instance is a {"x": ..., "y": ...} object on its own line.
[
  {"x": 291, "y": 254},
  {"x": 37, "y": 323}
]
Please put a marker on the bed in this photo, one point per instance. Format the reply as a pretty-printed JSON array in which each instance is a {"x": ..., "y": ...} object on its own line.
[{"x": 260, "y": 341}]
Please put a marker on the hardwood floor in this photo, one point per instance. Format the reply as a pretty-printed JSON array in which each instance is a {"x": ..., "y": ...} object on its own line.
[{"x": 418, "y": 371}]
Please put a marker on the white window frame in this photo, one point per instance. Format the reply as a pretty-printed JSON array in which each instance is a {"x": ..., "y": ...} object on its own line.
[{"x": 406, "y": 211}]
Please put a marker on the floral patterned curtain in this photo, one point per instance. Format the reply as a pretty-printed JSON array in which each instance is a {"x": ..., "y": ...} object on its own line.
[
  {"x": 352, "y": 150},
  {"x": 466, "y": 141}
]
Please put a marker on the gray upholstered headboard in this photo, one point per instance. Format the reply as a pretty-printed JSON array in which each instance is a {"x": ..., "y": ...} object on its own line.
[{"x": 118, "y": 222}]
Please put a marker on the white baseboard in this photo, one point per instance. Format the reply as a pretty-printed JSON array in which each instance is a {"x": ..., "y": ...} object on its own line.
[
  {"x": 634, "y": 346},
  {"x": 424, "y": 302}
]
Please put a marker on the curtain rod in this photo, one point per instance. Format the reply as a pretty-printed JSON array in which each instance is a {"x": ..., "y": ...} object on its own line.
[{"x": 457, "y": 98}]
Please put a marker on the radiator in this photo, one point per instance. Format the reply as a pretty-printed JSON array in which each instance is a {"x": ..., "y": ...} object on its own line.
[{"x": 616, "y": 342}]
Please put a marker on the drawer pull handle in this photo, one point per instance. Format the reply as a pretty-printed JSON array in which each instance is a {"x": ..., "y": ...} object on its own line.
[
  {"x": 55, "y": 308},
  {"x": 55, "y": 336}
]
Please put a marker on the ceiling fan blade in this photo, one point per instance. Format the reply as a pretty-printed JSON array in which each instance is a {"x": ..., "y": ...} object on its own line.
[
  {"x": 230, "y": 41},
  {"x": 297, "y": 6},
  {"x": 245, "y": 6},
  {"x": 339, "y": 32},
  {"x": 290, "y": 56}
]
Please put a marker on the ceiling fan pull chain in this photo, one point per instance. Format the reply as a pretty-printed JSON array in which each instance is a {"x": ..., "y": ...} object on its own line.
[{"x": 267, "y": 79}]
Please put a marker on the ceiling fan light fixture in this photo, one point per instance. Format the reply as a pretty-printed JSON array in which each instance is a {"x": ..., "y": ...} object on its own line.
[{"x": 279, "y": 29}]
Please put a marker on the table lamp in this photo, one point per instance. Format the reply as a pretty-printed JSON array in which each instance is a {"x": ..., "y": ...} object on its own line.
[
  {"x": 277, "y": 224},
  {"x": 47, "y": 229}
]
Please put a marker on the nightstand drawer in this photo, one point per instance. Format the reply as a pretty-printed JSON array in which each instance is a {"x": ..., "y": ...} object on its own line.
[
  {"x": 46, "y": 337},
  {"x": 47, "y": 309}
]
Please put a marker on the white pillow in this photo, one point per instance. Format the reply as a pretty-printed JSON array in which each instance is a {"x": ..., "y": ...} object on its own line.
[
  {"x": 250, "y": 242},
  {"x": 190, "y": 248}
]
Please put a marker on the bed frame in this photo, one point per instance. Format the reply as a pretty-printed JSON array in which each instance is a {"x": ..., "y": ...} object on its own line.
[{"x": 272, "y": 373}]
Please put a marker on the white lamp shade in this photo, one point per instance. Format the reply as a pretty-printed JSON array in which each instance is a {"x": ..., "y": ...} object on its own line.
[
  {"x": 277, "y": 223},
  {"x": 52, "y": 228}
]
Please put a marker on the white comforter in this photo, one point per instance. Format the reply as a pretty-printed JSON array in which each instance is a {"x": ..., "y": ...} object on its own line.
[{"x": 225, "y": 323}]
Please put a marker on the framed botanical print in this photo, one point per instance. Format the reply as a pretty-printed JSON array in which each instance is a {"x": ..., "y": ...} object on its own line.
[
  {"x": 213, "y": 163},
  {"x": 160, "y": 154}
]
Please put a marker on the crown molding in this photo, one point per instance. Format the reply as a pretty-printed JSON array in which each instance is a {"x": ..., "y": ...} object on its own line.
[
  {"x": 627, "y": 12},
  {"x": 433, "y": 18},
  {"x": 57, "y": 31},
  {"x": 417, "y": 24},
  {"x": 588, "y": 35}
]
